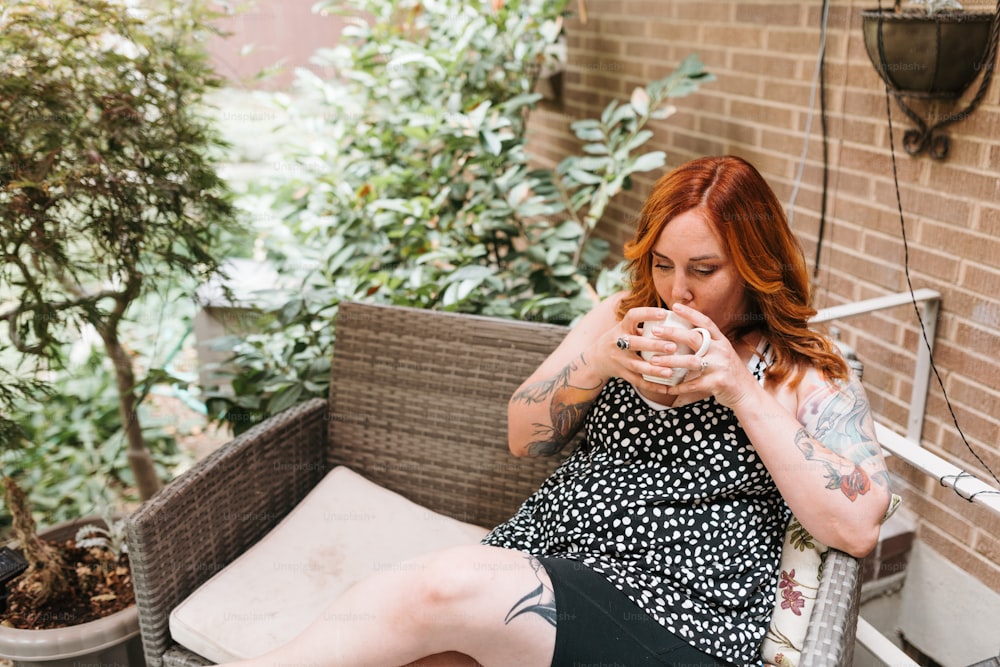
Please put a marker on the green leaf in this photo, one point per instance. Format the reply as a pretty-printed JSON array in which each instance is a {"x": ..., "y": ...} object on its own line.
[
  {"x": 595, "y": 149},
  {"x": 591, "y": 163},
  {"x": 640, "y": 101},
  {"x": 649, "y": 161},
  {"x": 663, "y": 112},
  {"x": 608, "y": 113},
  {"x": 493, "y": 144},
  {"x": 284, "y": 399},
  {"x": 584, "y": 177},
  {"x": 588, "y": 130},
  {"x": 639, "y": 139},
  {"x": 401, "y": 62}
]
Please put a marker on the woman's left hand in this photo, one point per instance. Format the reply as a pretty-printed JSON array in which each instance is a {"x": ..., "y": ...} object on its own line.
[{"x": 720, "y": 371}]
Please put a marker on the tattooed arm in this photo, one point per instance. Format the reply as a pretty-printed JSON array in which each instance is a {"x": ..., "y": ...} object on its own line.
[
  {"x": 840, "y": 436},
  {"x": 825, "y": 460},
  {"x": 567, "y": 408},
  {"x": 549, "y": 408}
]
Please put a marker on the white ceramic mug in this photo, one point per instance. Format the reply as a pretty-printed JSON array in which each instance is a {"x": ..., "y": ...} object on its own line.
[{"x": 674, "y": 320}]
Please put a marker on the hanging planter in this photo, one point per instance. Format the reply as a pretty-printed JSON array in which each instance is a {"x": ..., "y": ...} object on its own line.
[
  {"x": 931, "y": 55},
  {"x": 927, "y": 56}
]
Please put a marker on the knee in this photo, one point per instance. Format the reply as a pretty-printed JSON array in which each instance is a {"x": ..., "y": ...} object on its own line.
[{"x": 445, "y": 588}]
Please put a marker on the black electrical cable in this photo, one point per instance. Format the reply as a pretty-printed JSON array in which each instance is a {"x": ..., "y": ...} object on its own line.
[{"x": 826, "y": 147}]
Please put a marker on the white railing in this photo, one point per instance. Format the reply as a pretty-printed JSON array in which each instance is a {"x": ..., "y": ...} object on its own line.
[
  {"x": 908, "y": 447},
  {"x": 880, "y": 646}
]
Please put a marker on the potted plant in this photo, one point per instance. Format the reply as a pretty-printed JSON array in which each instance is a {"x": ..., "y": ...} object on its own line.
[
  {"x": 107, "y": 189},
  {"x": 77, "y": 600},
  {"x": 931, "y": 50}
]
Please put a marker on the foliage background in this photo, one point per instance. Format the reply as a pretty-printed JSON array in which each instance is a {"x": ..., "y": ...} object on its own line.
[{"x": 415, "y": 187}]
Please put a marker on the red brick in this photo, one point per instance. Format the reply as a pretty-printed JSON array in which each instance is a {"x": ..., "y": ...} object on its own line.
[
  {"x": 784, "y": 40},
  {"x": 961, "y": 243},
  {"x": 703, "y": 12},
  {"x": 773, "y": 14}
]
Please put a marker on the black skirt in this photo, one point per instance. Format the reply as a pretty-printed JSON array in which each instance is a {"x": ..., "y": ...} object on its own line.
[{"x": 596, "y": 624}]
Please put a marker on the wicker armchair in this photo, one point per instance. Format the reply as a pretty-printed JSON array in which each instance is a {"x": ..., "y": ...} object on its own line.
[{"x": 425, "y": 417}]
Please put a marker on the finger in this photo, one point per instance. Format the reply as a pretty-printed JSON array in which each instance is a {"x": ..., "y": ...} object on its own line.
[
  {"x": 697, "y": 318},
  {"x": 692, "y": 340},
  {"x": 635, "y": 316},
  {"x": 654, "y": 376},
  {"x": 692, "y": 381}
]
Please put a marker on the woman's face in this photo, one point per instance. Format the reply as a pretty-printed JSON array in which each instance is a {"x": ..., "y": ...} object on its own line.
[{"x": 691, "y": 266}]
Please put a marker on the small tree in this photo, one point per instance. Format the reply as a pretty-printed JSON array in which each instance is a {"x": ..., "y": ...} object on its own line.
[{"x": 107, "y": 185}]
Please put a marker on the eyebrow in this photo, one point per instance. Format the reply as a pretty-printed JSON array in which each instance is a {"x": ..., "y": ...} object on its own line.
[{"x": 699, "y": 258}]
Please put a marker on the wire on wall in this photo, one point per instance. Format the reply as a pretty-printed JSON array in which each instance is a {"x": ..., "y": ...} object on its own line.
[{"x": 818, "y": 83}]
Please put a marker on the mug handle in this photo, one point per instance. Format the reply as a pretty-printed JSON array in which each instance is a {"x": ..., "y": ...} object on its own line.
[{"x": 706, "y": 340}]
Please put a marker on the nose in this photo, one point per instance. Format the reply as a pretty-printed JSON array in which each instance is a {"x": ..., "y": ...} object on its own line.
[{"x": 679, "y": 291}]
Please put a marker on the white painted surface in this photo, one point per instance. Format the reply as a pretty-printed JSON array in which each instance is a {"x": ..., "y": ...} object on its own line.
[{"x": 947, "y": 613}]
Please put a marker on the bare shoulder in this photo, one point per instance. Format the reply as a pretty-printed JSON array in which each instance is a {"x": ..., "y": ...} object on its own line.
[
  {"x": 837, "y": 414},
  {"x": 608, "y": 307}
]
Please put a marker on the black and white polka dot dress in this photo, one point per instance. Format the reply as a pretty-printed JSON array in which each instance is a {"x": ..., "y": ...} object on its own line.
[{"x": 675, "y": 508}]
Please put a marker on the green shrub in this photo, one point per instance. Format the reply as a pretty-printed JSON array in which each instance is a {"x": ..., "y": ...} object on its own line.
[
  {"x": 414, "y": 186},
  {"x": 74, "y": 460}
]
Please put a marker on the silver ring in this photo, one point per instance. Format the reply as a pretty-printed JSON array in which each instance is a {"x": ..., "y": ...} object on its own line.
[
  {"x": 622, "y": 342},
  {"x": 704, "y": 365}
]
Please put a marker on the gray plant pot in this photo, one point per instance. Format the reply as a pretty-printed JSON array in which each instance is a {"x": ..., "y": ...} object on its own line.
[{"x": 112, "y": 641}]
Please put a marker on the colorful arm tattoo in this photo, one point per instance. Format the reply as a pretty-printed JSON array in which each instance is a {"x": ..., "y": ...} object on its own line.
[{"x": 841, "y": 424}]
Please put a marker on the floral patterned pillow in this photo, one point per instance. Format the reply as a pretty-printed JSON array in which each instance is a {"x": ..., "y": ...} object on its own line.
[{"x": 802, "y": 559}]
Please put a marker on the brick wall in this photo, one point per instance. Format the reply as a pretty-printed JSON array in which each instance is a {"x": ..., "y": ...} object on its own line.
[{"x": 764, "y": 55}]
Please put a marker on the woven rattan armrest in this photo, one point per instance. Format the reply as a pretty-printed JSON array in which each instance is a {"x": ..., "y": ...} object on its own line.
[
  {"x": 212, "y": 513},
  {"x": 834, "y": 621}
]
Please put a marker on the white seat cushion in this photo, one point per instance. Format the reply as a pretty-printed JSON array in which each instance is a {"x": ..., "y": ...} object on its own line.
[{"x": 344, "y": 530}]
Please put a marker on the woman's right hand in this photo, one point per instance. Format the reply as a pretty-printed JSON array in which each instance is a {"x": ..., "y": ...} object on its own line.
[
  {"x": 550, "y": 405},
  {"x": 610, "y": 360}
]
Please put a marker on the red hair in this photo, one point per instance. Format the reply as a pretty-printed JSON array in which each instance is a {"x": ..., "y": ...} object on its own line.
[{"x": 749, "y": 219}]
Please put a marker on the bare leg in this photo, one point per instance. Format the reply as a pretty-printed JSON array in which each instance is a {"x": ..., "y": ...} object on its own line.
[{"x": 493, "y": 605}]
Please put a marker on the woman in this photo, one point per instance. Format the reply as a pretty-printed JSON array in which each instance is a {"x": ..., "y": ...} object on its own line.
[{"x": 657, "y": 541}]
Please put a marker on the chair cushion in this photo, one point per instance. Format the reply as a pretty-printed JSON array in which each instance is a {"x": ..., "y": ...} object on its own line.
[
  {"x": 343, "y": 530},
  {"x": 802, "y": 558}
]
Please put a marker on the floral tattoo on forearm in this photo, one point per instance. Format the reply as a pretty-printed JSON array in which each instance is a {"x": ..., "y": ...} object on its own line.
[
  {"x": 841, "y": 428},
  {"x": 852, "y": 483},
  {"x": 568, "y": 407}
]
